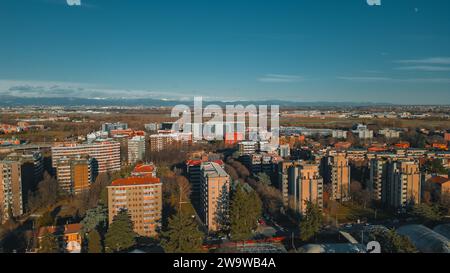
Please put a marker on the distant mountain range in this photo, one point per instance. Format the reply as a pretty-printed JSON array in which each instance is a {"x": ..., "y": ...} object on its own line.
[{"x": 13, "y": 101}]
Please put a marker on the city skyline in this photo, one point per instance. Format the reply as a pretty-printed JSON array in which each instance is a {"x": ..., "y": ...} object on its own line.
[{"x": 305, "y": 51}]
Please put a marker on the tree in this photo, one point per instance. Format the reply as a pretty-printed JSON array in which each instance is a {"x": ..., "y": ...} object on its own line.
[
  {"x": 232, "y": 172},
  {"x": 49, "y": 244},
  {"x": 120, "y": 235},
  {"x": 94, "y": 242},
  {"x": 46, "y": 220},
  {"x": 435, "y": 167},
  {"x": 311, "y": 221},
  {"x": 222, "y": 216},
  {"x": 182, "y": 235},
  {"x": 360, "y": 195},
  {"x": 95, "y": 219},
  {"x": 427, "y": 213},
  {"x": 245, "y": 212},
  {"x": 264, "y": 179},
  {"x": 46, "y": 195},
  {"x": 241, "y": 170},
  {"x": 391, "y": 241},
  {"x": 48, "y": 190}
]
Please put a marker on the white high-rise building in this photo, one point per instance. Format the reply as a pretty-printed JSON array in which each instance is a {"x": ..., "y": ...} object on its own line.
[{"x": 136, "y": 149}]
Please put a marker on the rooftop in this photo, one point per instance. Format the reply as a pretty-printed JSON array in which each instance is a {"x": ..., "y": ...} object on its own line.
[
  {"x": 144, "y": 168},
  {"x": 213, "y": 169},
  {"x": 439, "y": 180},
  {"x": 59, "y": 230},
  {"x": 134, "y": 181}
]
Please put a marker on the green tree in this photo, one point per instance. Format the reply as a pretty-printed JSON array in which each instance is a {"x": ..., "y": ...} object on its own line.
[
  {"x": 391, "y": 241},
  {"x": 222, "y": 216},
  {"x": 264, "y": 179},
  {"x": 427, "y": 213},
  {"x": 120, "y": 235},
  {"x": 435, "y": 167},
  {"x": 95, "y": 218},
  {"x": 182, "y": 235},
  {"x": 311, "y": 221},
  {"x": 49, "y": 244},
  {"x": 94, "y": 242},
  {"x": 246, "y": 208}
]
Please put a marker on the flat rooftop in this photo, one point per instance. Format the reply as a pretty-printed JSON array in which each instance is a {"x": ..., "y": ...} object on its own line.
[{"x": 213, "y": 169}]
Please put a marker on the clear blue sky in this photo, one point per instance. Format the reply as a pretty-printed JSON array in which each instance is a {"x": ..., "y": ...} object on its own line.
[{"x": 304, "y": 50}]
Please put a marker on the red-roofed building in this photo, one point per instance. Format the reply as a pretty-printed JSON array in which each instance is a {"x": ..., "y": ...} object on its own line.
[
  {"x": 440, "y": 183},
  {"x": 440, "y": 146},
  {"x": 126, "y": 132},
  {"x": 402, "y": 145},
  {"x": 69, "y": 236},
  {"x": 144, "y": 170},
  {"x": 142, "y": 198},
  {"x": 342, "y": 145}
]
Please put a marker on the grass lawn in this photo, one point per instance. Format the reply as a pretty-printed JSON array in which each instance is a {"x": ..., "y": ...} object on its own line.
[{"x": 352, "y": 212}]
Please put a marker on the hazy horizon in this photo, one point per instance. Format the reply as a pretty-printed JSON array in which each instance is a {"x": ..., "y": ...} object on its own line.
[{"x": 299, "y": 51}]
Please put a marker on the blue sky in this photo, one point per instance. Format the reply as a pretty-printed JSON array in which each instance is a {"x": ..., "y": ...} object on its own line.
[{"x": 303, "y": 50}]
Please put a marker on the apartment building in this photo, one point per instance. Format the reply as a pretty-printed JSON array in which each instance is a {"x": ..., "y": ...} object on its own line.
[
  {"x": 167, "y": 138},
  {"x": 403, "y": 183},
  {"x": 136, "y": 149},
  {"x": 194, "y": 175},
  {"x": 378, "y": 176},
  {"x": 247, "y": 147},
  {"x": 10, "y": 189},
  {"x": 105, "y": 154},
  {"x": 389, "y": 133},
  {"x": 336, "y": 171},
  {"x": 283, "y": 178},
  {"x": 305, "y": 185},
  {"x": 32, "y": 170},
  {"x": 215, "y": 185},
  {"x": 74, "y": 174},
  {"x": 142, "y": 198},
  {"x": 339, "y": 134},
  {"x": 108, "y": 127},
  {"x": 285, "y": 151}
]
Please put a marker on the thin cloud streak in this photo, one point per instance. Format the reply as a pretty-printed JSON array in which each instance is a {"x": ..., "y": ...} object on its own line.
[
  {"x": 396, "y": 80},
  {"x": 433, "y": 60},
  {"x": 280, "y": 78},
  {"x": 426, "y": 68}
]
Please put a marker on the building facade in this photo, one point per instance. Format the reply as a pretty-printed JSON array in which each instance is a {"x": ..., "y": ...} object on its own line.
[
  {"x": 136, "y": 149},
  {"x": 305, "y": 185},
  {"x": 403, "y": 183},
  {"x": 74, "y": 174},
  {"x": 10, "y": 189},
  {"x": 215, "y": 186},
  {"x": 340, "y": 177},
  {"x": 141, "y": 197},
  {"x": 105, "y": 154}
]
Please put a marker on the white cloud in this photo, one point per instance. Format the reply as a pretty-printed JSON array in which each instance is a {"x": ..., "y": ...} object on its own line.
[
  {"x": 363, "y": 79},
  {"x": 426, "y": 68},
  {"x": 396, "y": 80},
  {"x": 58, "y": 89},
  {"x": 280, "y": 78},
  {"x": 434, "y": 60}
]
